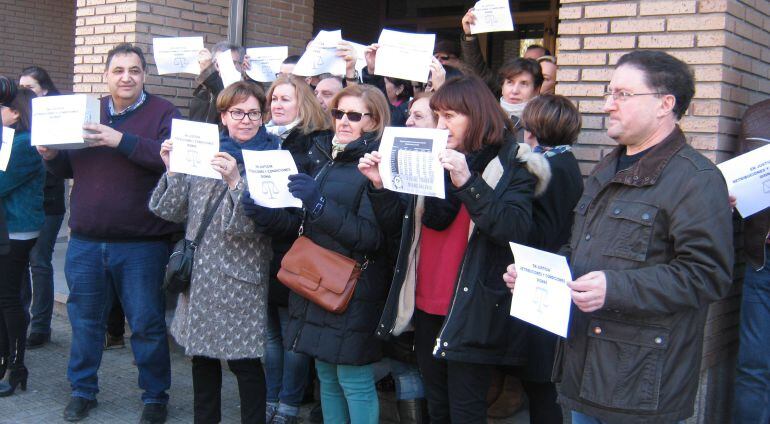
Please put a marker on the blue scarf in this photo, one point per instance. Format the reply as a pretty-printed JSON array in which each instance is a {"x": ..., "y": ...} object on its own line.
[{"x": 261, "y": 141}]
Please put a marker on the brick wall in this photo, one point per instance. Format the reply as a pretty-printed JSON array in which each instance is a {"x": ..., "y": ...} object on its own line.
[
  {"x": 101, "y": 24},
  {"x": 726, "y": 43},
  {"x": 38, "y": 32},
  {"x": 278, "y": 23}
]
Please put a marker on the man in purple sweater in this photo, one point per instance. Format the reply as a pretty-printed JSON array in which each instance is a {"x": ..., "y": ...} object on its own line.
[{"x": 118, "y": 247}]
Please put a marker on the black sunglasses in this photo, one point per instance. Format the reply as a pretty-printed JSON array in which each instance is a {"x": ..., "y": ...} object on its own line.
[{"x": 352, "y": 116}]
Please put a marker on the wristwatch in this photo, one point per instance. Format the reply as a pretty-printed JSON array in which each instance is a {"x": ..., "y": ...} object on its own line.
[
  {"x": 238, "y": 186},
  {"x": 354, "y": 78}
]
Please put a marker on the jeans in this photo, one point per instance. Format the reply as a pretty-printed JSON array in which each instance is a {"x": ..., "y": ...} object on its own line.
[
  {"x": 13, "y": 322},
  {"x": 207, "y": 389},
  {"x": 97, "y": 271},
  {"x": 286, "y": 371},
  {"x": 752, "y": 379},
  {"x": 580, "y": 418},
  {"x": 348, "y": 393},
  {"x": 39, "y": 291},
  {"x": 407, "y": 377},
  {"x": 456, "y": 391}
]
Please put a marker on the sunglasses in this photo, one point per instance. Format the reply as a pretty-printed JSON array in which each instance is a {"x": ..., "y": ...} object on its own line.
[{"x": 352, "y": 116}]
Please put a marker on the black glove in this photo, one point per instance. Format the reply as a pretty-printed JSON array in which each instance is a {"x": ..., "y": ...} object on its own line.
[
  {"x": 259, "y": 214},
  {"x": 305, "y": 188}
]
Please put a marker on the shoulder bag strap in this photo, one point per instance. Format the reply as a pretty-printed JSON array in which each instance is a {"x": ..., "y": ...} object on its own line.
[{"x": 207, "y": 218}]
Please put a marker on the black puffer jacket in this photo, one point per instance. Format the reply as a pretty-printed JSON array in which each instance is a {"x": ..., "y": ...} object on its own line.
[
  {"x": 298, "y": 144},
  {"x": 346, "y": 225},
  {"x": 478, "y": 327}
]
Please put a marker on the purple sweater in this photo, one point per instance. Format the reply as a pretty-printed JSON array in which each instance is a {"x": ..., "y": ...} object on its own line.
[{"x": 112, "y": 186}]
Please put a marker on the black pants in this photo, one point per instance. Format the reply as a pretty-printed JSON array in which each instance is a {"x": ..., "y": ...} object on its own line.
[
  {"x": 207, "y": 388},
  {"x": 456, "y": 391},
  {"x": 543, "y": 407},
  {"x": 13, "y": 320}
]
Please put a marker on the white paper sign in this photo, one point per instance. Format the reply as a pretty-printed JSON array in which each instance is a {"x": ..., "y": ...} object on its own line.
[
  {"x": 492, "y": 16},
  {"x": 321, "y": 56},
  {"x": 177, "y": 55},
  {"x": 404, "y": 55},
  {"x": 267, "y": 173},
  {"x": 265, "y": 62},
  {"x": 410, "y": 160},
  {"x": 748, "y": 179},
  {"x": 541, "y": 296},
  {"x": 360, "y": 56},
  {"x": 195, "y": 144},
  {"x": 227, "y": 70},
  {"x": 57, "y": 121},
  {"x": 5, "y": 148}
]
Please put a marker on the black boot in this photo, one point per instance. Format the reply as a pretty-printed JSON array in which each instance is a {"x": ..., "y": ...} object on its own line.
[
  {"x": 413, "y": 411},
  {"x": 17, "y": 376},
  {"x": 3, "y": 366},
  {"x": 17, "y": 372}
]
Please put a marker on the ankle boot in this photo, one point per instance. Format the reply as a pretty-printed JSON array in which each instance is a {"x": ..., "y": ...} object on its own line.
[
  {"x": 17, "y": 376},
  {"x": 413, "y": 411},
  {"x": 3, "y": 366}
]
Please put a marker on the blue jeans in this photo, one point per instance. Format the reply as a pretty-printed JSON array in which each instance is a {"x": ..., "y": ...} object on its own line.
[
  {"x": 286, "y": 372},
  {"x": 579, "y": 418},
  {"x": 348, "y": 393},
  {"x": 752, "y": 378},
  {"x": 39, "y": 292},
  {"x": 97, "y": 271},
  {"x": 407, "y": 377}
]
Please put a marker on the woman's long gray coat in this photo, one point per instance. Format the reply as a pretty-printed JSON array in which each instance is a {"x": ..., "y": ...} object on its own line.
[{"x": 223, "y": 314}]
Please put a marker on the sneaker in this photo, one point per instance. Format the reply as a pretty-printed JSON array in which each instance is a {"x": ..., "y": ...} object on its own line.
[
  {"x": 154, "y": 413},
  {"x": 114, "y": 342},
  {"x": 78, "y": 408},
  {"x": 37, "y": 340},
  {"x": 285, "y": 419},
  {"x": 270, "y": 411}
]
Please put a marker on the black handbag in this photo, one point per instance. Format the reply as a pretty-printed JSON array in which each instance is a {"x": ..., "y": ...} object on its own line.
[{"x": 180, "y": 263}]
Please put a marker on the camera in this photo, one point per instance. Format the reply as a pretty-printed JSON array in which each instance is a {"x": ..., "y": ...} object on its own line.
[{"x": 7, "y": 90}]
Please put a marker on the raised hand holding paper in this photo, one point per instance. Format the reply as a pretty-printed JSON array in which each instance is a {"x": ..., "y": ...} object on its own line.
[
  {"x": 404, "y": 55},
  {"x": 57, "y": 121},
  {"x": 410, "y": 161},
  {"x": 265, "y": 62},
  {"x": 321, "y": 56},
  {"x": 267, "y": 173},
  {"x": 492, "y": 16},
  {"x": 177, "y": 55},
  {"x": 195, "y": 144},
  {"x": 5, "y": 148},
  {"x": 227, "y": 70},
  {"x": 748, "y": 179},
  {"x": 541, "y": 296}
]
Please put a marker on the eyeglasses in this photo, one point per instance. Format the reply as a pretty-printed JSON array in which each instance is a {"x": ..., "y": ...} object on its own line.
[
  {"x": 622, "y": 96},
  {"x": 352, "y": 116},
  {"x": 238, "y": 115}
]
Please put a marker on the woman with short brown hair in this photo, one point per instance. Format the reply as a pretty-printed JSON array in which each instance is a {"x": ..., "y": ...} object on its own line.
[
  {"x": 222, "y": 315},
  {"x": 337, "y": 215},
  {"x": 447, "y": 284}
]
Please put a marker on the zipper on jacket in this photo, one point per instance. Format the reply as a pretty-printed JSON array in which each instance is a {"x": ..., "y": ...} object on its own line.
[{"x": 451, "y": 307}]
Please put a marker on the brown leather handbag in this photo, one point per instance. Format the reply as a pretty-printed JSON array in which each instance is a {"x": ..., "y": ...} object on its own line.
[{"x": 320, "y": 275}]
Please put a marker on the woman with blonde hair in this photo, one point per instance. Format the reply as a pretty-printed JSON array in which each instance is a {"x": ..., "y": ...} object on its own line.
[
  {"x": 222, "y": 315},
  {"x": 295, "y": 116},
  {"x": 338, "y": 216}
]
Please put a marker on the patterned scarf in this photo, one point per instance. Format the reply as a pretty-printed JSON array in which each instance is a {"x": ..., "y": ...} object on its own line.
[
  {"x": 281, "y": 131},
  {"x": 552, "y": 151}
]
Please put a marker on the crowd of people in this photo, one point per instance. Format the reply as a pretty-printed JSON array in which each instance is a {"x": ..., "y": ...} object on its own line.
[{"x": 648, "y": 236}]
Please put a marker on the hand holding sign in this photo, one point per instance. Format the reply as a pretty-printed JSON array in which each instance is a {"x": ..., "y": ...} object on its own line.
[{"x": 267, "y": 173}]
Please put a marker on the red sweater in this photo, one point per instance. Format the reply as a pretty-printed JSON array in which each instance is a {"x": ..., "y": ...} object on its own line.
[{"x": 441, "y": 254}]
